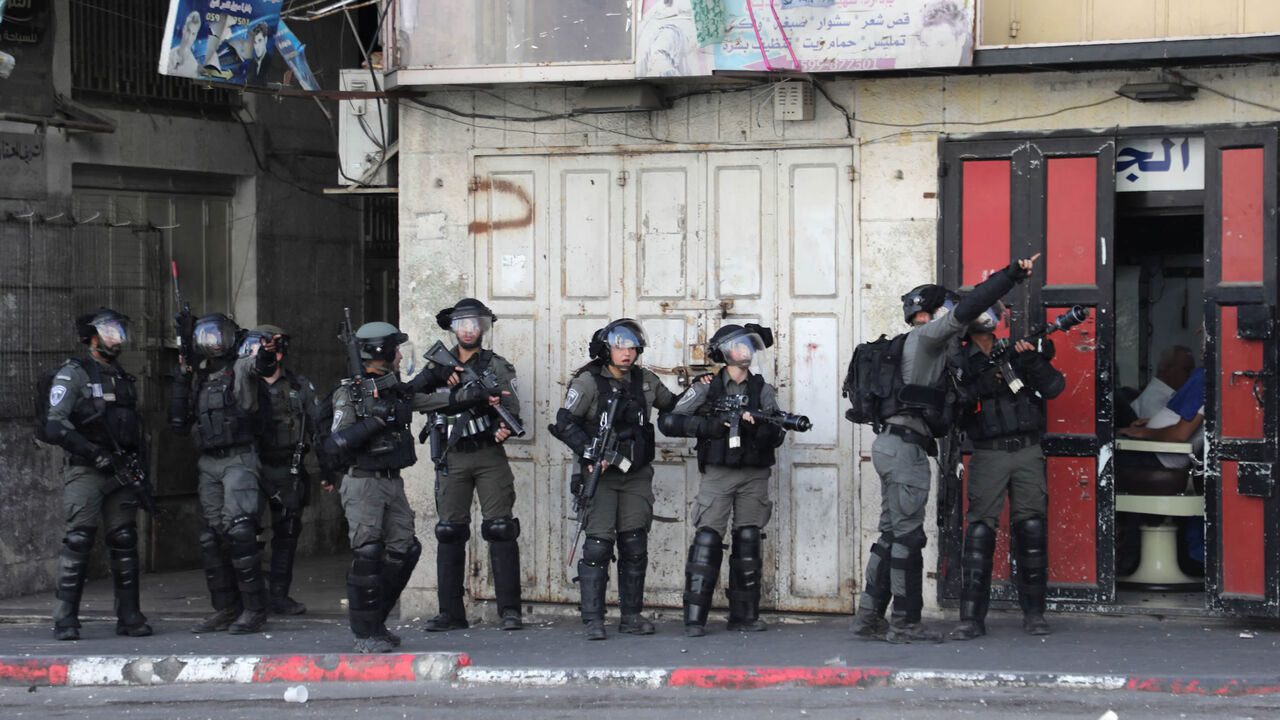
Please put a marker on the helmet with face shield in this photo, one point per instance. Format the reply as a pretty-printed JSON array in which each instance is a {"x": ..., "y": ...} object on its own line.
[
  {"x": 622, "y": 334},
  {"x": 468, "y": 320},
  {"x": 736, "y": 345},
  {"x": 108, "y": 326},
  {"x": 215, "y": 335},
  {"x": 989, "y": 320}
]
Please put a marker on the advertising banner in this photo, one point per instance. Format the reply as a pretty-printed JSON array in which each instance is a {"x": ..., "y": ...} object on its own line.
[{"x": 229, "y": 41}]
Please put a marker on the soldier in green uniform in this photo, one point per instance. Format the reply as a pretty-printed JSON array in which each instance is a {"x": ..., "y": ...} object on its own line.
[
  {"x": 222, "y": 399},
  {"x": 735, "y": 477},
  {"x": 371, "y": 434},
  {"x": 295, "y": 410},
  {"x": 622, "y": 508},
  {"x": 93, "y": 416},
  {"x": 474, "y": 463}
]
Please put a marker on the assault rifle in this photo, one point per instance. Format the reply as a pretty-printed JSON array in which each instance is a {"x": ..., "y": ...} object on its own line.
[
  {"x": 731, "y": 407},
  {"x": 437, "y": 430},
  {"x": 363, "y": 391},
  {"x": 440, "y": 355},
  {"x": 130, "y": 473},
  {"x": 603, "y": 448},
  {"x": 1002, "y": 350},
  {"x": 184, "y": 324}
]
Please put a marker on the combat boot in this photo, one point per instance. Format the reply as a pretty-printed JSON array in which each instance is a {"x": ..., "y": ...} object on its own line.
[
  {"x": 635, "y": 624},
  {"x": 633, "y": 562},
  {"x": 868, "y": 623},
  {"x": 975, "y": 581},
  {"x": 594, "y": 629},
  {"x": 510, "y": 620},
  {"x": 250, "y": 621},
  {"x": 592, "y": 581},
  {"x": 967, "y": 630},
  {"x": 911, "y": 632},
  {"x": 122, "y": 551},
  {"x": 1032, "y": 544},
  {"x": 219, "y": 621},
  {"x": 370, "y": 645},
  {"x": 451, "y": 561}
]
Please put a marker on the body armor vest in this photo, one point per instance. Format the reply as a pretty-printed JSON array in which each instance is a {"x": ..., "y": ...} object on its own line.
[
  {"x": 716, "y": 451},
  {"x": 113, "y": 395},
  {"x": 220, "y": 421},
  {"x": 635, "y": 432},
  {"x": 286, "y": 412},
  {"x": 998, "y": 412},
  {"x": 935, "y": 403},
  {"x": 477, "y": 420},
  {"x": 392, "y": 447}
]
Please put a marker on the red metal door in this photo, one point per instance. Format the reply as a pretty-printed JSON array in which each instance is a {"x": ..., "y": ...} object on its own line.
[
  {"x": 1241, "y": 544},
  {"x": 1053, "y": 196}
]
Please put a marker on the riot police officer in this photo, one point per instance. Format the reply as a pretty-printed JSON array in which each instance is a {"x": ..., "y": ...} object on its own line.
[
  {"x": 918, "y": 407},
  {"x": 93, "y": 416},
  {"x": 735, "y": 476},
  {"x": 371, "y": 433},
  {"x": 222, "y": 399},
  {"x": 622, "y": 507},
  {"x": 474, "y": 463},
  {"x": 295, "y": 412},
  {"x": 1005, "y": 426}
]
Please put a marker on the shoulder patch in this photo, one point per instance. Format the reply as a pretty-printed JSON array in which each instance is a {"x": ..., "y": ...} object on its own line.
[
  {"x": 56, "y": 393},
  {"x": 337, "y": 420},
  {"x": 571, "y": 398}
]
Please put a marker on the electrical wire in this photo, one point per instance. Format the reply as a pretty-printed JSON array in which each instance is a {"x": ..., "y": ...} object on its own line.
[
  {"x": 1221, "y": 94},
  {"x": 976, "y": 123}
]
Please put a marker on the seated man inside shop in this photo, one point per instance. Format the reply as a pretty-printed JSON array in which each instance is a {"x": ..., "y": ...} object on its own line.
[
  {"x": 1173, "y": 368},
  {"x": 1181, "y": 420}
]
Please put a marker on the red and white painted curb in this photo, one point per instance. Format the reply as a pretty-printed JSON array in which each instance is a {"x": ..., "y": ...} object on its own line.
[
  {"x": 456, "y": 667},
  {"x": 229, "y": 669},
  {"x": 746, "y": 678}
]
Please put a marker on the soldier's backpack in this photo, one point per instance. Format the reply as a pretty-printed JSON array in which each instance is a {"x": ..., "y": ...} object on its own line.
[
  {"x": 870, "y": 379},
  {"x": 40, "y": 418}
]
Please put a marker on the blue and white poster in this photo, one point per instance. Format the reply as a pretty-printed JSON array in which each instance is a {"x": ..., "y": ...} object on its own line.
[{"x": 229, "y": 41}]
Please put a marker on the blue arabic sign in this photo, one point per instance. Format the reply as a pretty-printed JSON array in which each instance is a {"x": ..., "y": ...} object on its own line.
[{"x": 1160, "y": 163}]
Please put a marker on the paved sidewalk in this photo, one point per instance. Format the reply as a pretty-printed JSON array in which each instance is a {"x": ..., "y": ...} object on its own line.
[{"x": 1178, "y": 655}]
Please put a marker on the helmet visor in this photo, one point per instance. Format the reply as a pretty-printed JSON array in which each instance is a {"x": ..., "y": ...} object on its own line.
[
  {"x": 112, "y": 332},
  {"x": 249, "y": 346},
  {"x": 472, "y": 326},
  {"x": 740, "y": 349},
  {"x": 988, "y": 321},
  {"x": 214, "y": 337},
  {"x": 626, "y": 337},
  {"x": 408, "y": 358}
]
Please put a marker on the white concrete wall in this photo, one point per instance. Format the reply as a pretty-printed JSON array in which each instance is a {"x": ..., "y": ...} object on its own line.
[{"x": 896, "y": 130}]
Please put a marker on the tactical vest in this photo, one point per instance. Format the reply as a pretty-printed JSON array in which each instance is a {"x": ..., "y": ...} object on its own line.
[
  {"x": 716, "y": 451},
  {"x": 111, "y": 411},
  {"x": 392, "y": 447},
  {"x": 635, "y": 432},
  {"x": 286, "y": 413},
  {"x": 935, "y": 403},
  {"x": 998, "y": 412},
  {"x": 478, "y": 421},
  {"x": 220, "y": 421}
]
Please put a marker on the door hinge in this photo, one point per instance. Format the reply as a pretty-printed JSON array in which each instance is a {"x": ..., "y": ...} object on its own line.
[
  {"x": 853, "y": 173},
  {"x": 474, "y": 185},
  {"x": 1014, "y": 27},
  {"x": 622, "y": 177}
]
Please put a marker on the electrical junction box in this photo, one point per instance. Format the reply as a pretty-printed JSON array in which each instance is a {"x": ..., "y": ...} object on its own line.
[
  {"x": 793, "y": 101},
  {"x": 363, "y": 138}
]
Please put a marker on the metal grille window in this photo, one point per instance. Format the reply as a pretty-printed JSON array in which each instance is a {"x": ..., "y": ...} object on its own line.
[
  {"x": 115, "y": 48},
  {"x": 53, "y": 269}
]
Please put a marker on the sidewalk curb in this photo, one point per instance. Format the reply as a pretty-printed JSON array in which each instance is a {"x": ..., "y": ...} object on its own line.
[
  {"x": 750, "y": 678},
  {"x": 152, "y": 670}
]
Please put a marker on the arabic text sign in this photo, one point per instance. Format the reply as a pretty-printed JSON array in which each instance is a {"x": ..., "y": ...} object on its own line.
[
  {"x": 226, "y": 40},
  {"x": 1160, "y": 163},
  {"x": 22, "y": 165}
]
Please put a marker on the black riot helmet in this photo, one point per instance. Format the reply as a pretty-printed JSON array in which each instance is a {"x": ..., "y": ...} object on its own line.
[
  {"x": 255, "y": 337},
  {"x": 379, "y": 342},
  {"x": 738, "y": 344},
  {"x": 216, "y": 335},
  {"x": 110, "y": 327},
  {"x": 468, "y": 320},
  {"x": 621, "y": 333},
  {"x": 927, "y": 298}
]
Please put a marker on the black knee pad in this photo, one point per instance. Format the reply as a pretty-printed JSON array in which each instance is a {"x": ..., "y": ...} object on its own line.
[
  {"x": 79, "y": 539},
  {"x": 706, "y": 537},
  {"x": 633, "y": 545},
  {"x": 453, "y": 532},
  {"x": 597, "y": 552},
  {"x": 500, "y": 529},
  {"x": 243, "y": 531},
  {"x": 1032, "y": 529},
  {"x": 411, "y": 554},
  {"x": 747, "y": 536},
  {"x": 915, "y": 540},
  {"x": 124, "y": 537},
  {"x": 367, "y": 559},
  {"x": 980, "y": 537}
]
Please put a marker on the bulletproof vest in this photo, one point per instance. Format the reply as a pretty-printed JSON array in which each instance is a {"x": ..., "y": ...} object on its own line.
[
  {"x": 392, "y": 447},
  {"x": 476, "y": 421},
  {"x": 285, "y": 430},
  {"x": 220, "y": 421},
  {"x": 935, "y": 404},
  {"x": 111, "y": 408},
  {"x": 995, "y": 411},
  {"x": 716, "y": 451},
  {"x": 635, "y": 432}
]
